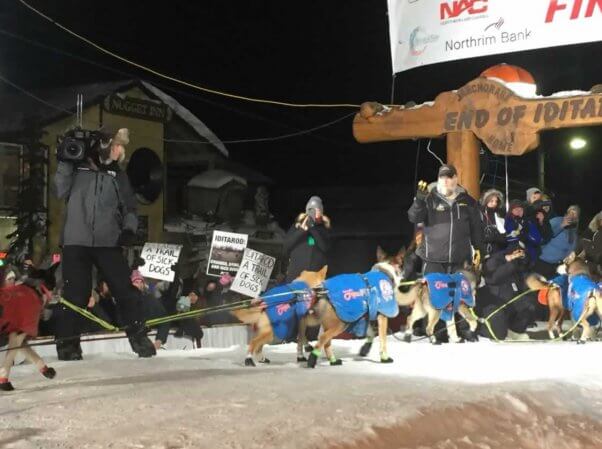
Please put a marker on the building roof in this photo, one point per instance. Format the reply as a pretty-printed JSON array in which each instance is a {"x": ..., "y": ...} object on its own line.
[{"x": 19, "y": 109}]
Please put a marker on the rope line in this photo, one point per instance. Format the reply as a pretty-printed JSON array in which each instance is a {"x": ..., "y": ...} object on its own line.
[{"x": 180, "y": 81}]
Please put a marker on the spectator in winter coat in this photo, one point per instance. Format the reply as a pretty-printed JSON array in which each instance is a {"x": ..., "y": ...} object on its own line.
[
  {"x": 591, "y": 243},
  {"x": 504, "y": 274},
  {"x": 540, "y": 215},
  {"x": 307, "y": 242},
  {"x": 520, "y": 229},
  {"x": 563, "y": 242},
  {"x": 452, "y": 225},
  {"x": 494, "y": 232}
]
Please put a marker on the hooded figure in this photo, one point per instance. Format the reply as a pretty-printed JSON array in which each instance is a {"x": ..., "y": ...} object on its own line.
[
  {"x": 494, "y": 232},
  {"x": 563, "y": 242},
  {"x": 307, "y": 242}
]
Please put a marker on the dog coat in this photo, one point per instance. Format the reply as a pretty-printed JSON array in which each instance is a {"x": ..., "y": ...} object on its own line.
[
  {"x": 575, "y": 291},
  {"x": 581, "y": 287},
  {"x": 286, "y": 305},
  {"x": 358, "y": 298},
  {"x": 448, "y": 291},
  {"x": 20, "y": 308}
]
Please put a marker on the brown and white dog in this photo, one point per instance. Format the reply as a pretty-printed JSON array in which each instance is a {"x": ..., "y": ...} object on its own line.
[
  {"x": 258, "y": 317},
  {"x": 551, "y": 295},
  {"x": 418, "y": 297},
  {"x": 325, "y": 315},
  {"x": 20, "y": 309}
]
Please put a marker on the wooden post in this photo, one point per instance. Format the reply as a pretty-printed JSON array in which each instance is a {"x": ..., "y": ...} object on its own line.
[{"x": 463, "y": 153}]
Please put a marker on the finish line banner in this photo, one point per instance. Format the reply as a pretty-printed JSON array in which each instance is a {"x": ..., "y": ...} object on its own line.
[{"x": 425, "y": 32}]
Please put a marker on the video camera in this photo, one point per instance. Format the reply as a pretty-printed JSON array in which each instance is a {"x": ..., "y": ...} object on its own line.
[{"x": 77, "y": 145}]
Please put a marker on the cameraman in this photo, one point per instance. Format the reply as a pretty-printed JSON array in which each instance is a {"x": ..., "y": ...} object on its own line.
[{"x": 100, "y": 218}]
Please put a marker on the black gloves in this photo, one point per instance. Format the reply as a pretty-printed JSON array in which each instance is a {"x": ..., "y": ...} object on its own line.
[
  {"x": 127, "y": 238},
  {"x": 422, "y": 191}
]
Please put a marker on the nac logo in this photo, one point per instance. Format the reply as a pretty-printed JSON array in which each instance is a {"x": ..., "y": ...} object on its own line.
[{"x": 456, "y": 8}]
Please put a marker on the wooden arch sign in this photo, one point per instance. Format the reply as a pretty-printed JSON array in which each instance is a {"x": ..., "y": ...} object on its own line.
[{"x": 485, "y": 109}]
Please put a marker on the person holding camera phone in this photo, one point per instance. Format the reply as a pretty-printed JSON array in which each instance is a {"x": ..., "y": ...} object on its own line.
[
  {"x": 307, "y": 242},
  {"x": 100, "y": 219},
  {"x": 563, "y": 242}
]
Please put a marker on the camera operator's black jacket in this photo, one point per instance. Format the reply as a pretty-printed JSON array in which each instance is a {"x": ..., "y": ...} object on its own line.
[
  {"x": 100, "y": 204},
  {"x": 450, "y": 227}
]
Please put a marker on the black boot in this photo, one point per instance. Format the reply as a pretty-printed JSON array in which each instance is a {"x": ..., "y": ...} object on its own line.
[
  {"x": 365, "y": 349},
  {"x": 69, "y": 349},
  {"x": 6, "y": 386},
  {"x": 48, "y": 372},
  {"x": 312, "y": 360},
  {"x": 139, "y": 342}
]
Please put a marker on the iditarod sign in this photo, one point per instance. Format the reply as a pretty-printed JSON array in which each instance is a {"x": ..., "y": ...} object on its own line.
[{"x": 227, "y": 250}]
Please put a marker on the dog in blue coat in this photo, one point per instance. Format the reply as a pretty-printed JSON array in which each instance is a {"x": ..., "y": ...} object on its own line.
[
  {"x": 351, "y": 302},
  {"x": 573, "y": 292},
  {"x": 440, "y": 296},
  {"x": 279, "y": 315}
]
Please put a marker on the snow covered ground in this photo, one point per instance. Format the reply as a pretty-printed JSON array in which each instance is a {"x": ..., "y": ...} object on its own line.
[{"x": 206, "y": 398}]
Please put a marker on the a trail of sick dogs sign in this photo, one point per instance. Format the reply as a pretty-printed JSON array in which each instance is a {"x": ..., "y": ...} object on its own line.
[
  {"x": 158, "y": 260},
  {"x": 254, "y": 273},
  {"x": 226, "y": 252}
]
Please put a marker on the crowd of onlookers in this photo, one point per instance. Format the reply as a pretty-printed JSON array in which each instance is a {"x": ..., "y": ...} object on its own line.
[{"x": 510, "y": 242}]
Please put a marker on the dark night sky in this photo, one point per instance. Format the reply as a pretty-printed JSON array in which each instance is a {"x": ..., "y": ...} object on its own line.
[{"x": 318, "y": 52}]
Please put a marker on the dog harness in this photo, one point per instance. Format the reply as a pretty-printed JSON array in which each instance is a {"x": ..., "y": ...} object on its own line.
[
  {"x": 285, "y": 306},
  {"x": 448, "y": 291},
  {"x": 358, "y": 299}
]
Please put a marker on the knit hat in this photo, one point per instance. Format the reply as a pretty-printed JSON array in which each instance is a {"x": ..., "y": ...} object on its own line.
[
  {"x": 531, "y": 191},
  {"x": 136, "y": 276},
  {"x": 122, "y": 136},
  {"x": 447, "y": 170},
  {"x": 10, "y": 275},
  {"x": 315, "y": 202}
]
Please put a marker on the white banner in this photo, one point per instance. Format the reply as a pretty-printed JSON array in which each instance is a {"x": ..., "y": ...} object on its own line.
[
  {"x": 226, "y": 252},
  {"x": 158, "y": 260},
  {"x": 425, "y": 32},
  {"x": 254, "y": 273}
]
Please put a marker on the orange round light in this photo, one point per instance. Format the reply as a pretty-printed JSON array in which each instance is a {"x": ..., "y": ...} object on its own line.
[{"x": 509, "y": 74}]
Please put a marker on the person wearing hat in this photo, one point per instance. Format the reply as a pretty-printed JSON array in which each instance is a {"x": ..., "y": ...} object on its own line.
[
  {"x": 533, "y": 194},
  {"x": 521, "y": 229},
  {"x": 453, "y": 232},
  {"x": 100, "y": 218},
  {"x": 307, "y": 242}
]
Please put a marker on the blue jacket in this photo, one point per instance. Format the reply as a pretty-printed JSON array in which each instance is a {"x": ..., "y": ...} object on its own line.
[
  {"x": 528, "y": 234},
  {"x": 560, "y": 246}
]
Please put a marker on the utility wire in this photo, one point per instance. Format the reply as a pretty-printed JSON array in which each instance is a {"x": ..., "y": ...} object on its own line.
[{"x": 180, "y": 81}]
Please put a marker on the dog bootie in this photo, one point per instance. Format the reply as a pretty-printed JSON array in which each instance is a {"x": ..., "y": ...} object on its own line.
[
  {"x": 264, "y": 360},
  {"x": 309, "y": 348},
  {"x": 249, "y": 361},
  {"x": 301, "y": 358},
  {"x": 48, "y": 372},
  {"x": 407, "y": 337},
  {"x": 469, "y": 335},
  {"x": 313, "y": 359},
  {"x": 336, "y": 362},
  {"x": 5, "y": 385},
  {"x": 384, "y": 358},
  {"x": 365, "y": 349}
]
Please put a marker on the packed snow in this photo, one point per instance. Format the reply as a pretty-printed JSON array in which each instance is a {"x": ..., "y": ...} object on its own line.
[{"x": 206, "y": 398}]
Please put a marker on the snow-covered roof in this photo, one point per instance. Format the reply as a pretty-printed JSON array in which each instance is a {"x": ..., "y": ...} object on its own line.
[
  {"x": 214, "y": 179},
  {"x": 60, "y": 102},
  {"x": 188, "y": 117}
]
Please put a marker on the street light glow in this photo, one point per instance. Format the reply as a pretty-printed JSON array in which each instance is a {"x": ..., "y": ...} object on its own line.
[{"x": 577, "y": 143}]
